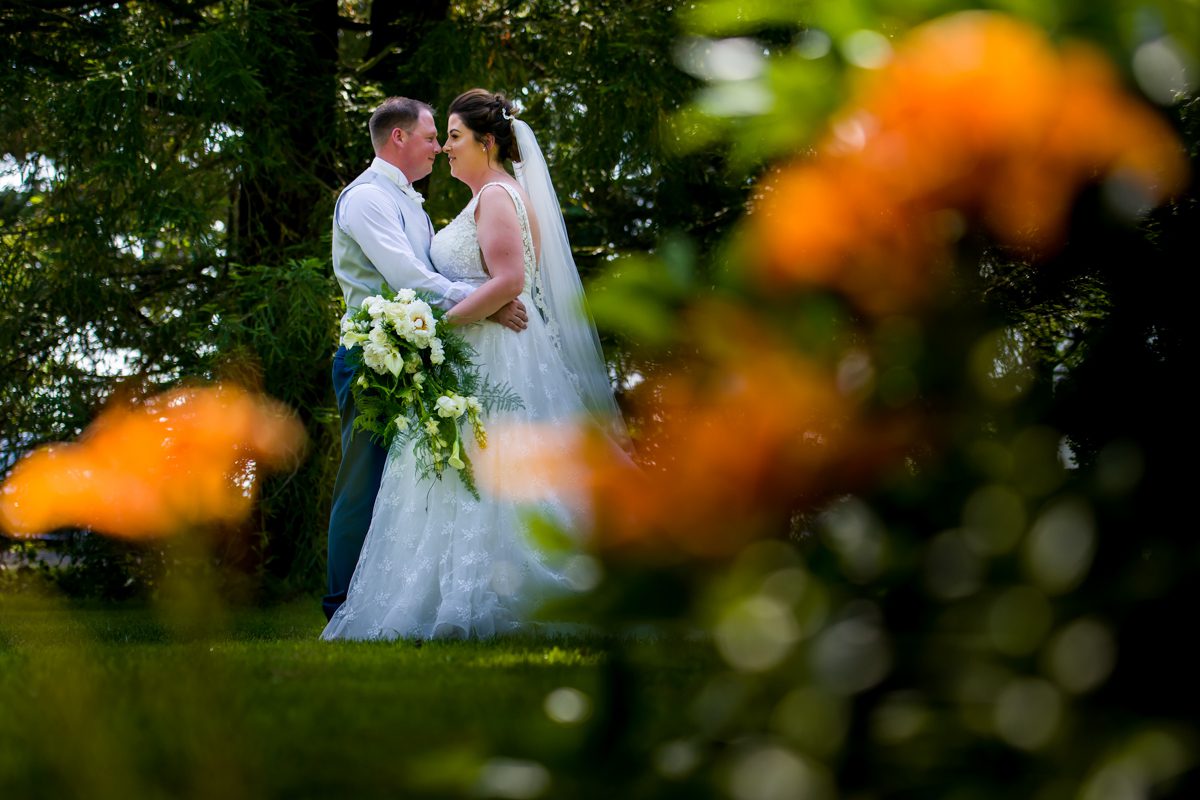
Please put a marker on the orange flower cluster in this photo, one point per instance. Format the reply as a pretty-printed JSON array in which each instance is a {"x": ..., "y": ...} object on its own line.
[
  {"x": 734, "y": 445},
  {"x": 173, "y": 462},
  {"x": 976, "y": 120}
]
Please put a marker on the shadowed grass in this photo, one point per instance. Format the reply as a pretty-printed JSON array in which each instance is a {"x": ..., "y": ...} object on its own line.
[{"x": 134, "y": 702}]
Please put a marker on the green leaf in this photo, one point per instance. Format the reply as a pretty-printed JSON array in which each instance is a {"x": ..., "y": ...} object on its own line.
[{"x": 547, "y": 535}]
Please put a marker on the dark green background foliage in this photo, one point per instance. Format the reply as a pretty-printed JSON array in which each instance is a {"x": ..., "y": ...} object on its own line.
[{"x": 171, "y": 169}]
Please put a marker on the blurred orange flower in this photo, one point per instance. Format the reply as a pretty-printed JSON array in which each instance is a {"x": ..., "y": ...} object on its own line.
[
  {"x": 977, "y": 119},
  {"x": 179, "y": 460},
  {"x": 734, "y": 443}
]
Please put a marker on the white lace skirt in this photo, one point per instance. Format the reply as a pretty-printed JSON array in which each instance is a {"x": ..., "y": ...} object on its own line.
[{"x": 439, "y": 563}]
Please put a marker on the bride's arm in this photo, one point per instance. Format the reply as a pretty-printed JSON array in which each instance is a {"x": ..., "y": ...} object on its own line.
[{"x": 499, "y": 234}]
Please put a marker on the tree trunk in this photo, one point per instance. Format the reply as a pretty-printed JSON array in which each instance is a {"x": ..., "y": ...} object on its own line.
[{"x": 291, "y": 137}]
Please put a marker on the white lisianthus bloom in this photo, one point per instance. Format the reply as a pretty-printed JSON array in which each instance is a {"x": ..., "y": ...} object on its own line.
[
  {"x": 406, "y": 295},
  {"x": 451, "y": 405},
  {"x": 348, "y": 325},
  {"x": 420, "y": 317},
  {"x": 397, "y": 314}
]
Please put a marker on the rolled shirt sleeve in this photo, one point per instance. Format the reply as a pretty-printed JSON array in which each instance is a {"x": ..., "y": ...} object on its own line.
[{"x": 369, "y": 216}]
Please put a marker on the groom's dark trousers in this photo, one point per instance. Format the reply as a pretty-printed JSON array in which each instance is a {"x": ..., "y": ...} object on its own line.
[{"x": 353, "y": 493}]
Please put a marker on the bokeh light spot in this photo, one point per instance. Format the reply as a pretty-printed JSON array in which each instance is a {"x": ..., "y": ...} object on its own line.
[
  {"x": 852, "y": 655},
  {"x": 756, "y": 633},
  {"x": 512, "y": 779},
  {"x": 867, "y": 49},
  {"x": 735, "y": 59},
  {"x": 813, "y": 44},
  {"x": 1060, "y": 546},
  {"x": 1162, "y": 71},
  {"x": 1028, "y": 712},
  {"x": 567, "y": 706},
  {"x": 813, "y": 720},
  {"x": 735, "y": 99},
  {"x": 857, "y": 536},
  {"x": 1081, "y": 656},
  {"x": 771, "y": 772}
]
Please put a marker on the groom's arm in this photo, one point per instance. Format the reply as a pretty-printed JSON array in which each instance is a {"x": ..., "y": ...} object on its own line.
[{"x": 369, "y": 216}]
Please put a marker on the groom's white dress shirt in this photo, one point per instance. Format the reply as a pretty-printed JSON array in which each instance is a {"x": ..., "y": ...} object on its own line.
[{"x": 381, "y": 234}]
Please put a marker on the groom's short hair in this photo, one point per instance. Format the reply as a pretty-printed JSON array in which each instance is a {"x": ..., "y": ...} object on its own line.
[{"x": 395, "y": 112}]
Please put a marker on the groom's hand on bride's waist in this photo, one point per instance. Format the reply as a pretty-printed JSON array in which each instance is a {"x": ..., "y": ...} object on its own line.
[{"x": 512, "y": 316}]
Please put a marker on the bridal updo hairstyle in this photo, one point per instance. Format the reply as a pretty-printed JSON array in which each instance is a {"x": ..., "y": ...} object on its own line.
[{"x": 483, "y": 112}]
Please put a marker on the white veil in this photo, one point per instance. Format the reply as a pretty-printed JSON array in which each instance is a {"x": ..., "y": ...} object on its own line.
[{"x": 558, "y": 292}]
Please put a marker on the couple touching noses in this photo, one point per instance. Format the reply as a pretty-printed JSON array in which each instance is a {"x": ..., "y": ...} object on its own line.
[{"x": 423, "y": 559}]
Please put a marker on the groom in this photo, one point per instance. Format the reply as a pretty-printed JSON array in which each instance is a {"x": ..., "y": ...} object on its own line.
[{"x": 382, "y": 235}]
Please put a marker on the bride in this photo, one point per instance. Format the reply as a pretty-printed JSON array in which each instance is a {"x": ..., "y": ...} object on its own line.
[{"x": 437, "y": 562}]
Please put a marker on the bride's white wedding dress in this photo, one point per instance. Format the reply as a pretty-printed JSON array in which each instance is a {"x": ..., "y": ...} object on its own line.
[{"x": 437, "y": 562}]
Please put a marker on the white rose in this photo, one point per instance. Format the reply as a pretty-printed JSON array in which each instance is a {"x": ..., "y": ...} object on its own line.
[
  {"x": 374, "y": 306},
  {"x": 374, "y": 356},
  {"x": 379, "y": 336},
  {"x": 406, "y": 295}
]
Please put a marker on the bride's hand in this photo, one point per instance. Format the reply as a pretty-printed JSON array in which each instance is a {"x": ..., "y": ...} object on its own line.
[{"x": 512, "y": 316}]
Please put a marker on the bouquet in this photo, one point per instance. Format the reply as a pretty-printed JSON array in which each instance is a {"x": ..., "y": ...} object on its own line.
[{"x": 415, "y": 381}]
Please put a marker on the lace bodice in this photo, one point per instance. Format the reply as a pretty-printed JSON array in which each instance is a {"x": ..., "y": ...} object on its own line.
[{"x": 455, "y": 248}]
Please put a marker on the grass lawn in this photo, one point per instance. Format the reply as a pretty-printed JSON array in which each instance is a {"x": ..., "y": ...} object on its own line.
[{"x": 102, "y": 702}]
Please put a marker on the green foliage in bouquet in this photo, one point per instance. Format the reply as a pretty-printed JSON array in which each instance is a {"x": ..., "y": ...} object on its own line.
[{"x": 415, "y": 381}]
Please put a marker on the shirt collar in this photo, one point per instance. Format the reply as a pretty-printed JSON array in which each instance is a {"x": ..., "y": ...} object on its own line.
[{"x": 390, "y": 171}]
